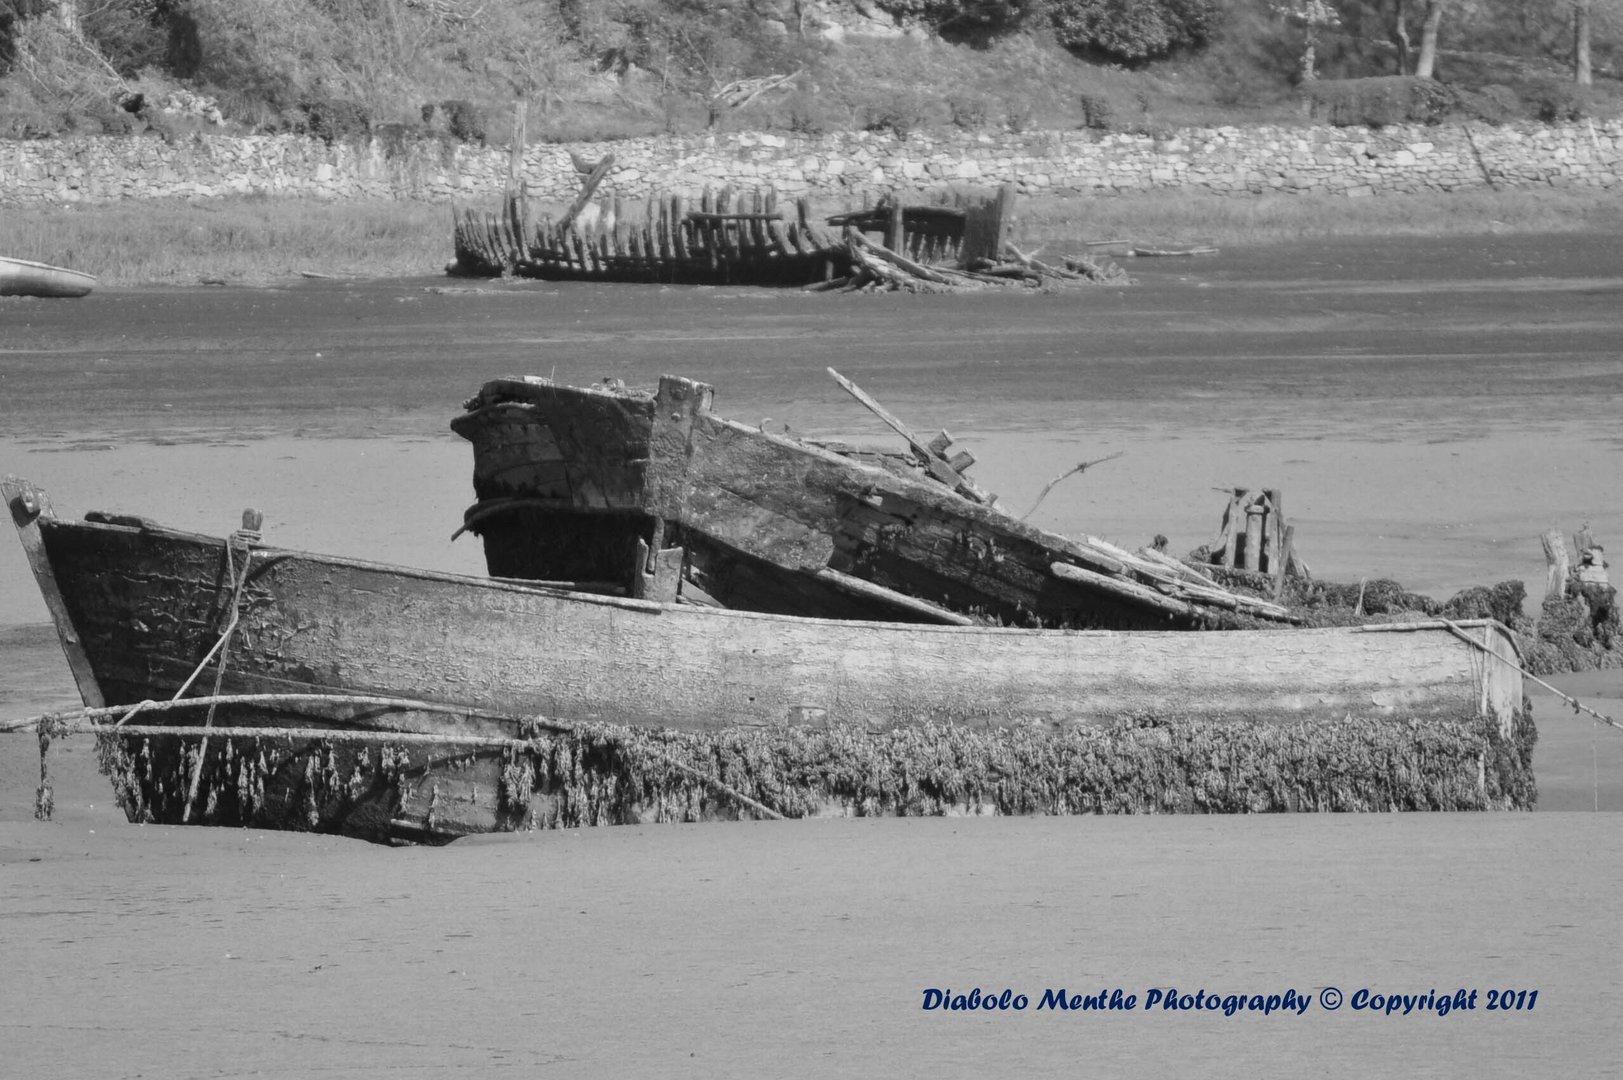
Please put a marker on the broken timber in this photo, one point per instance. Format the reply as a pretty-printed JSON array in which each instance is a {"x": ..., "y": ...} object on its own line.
[{"x": 570, "y": 481}]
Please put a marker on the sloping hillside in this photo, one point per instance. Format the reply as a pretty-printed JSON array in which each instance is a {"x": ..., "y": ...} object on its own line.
[{"x": 591, "y": 69}]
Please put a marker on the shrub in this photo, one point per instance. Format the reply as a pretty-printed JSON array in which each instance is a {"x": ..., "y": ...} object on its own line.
[
  {"x": 1392, "y": 99},
  {"x": 1098, "y": 112},
  {"x": 463, "y": 120},
  {"x": 337, "y": 119},
  {"x": 1557, "y": 100},
  {"x": 968, "y": 111},
  {"x": 1493, "y": 104},
  {"x": 901, "y": 114}
]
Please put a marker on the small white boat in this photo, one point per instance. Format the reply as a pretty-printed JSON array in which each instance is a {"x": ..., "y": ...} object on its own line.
[{"x": 19, "y": 277}]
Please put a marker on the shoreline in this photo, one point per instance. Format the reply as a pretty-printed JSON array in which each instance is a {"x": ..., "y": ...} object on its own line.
[{"x": 277, "y": 240}]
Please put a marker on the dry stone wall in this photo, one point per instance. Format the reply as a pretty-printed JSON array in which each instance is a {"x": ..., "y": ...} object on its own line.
[{"x": 1228, "y": 160}]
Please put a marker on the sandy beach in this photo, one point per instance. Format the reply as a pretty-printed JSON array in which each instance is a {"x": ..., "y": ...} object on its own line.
[{"x": 1428, "y": 412}]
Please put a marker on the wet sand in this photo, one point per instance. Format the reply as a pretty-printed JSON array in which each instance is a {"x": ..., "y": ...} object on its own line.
[
  {"x": 797, "y": 948},
  {"x": 1428, "y": 412}
]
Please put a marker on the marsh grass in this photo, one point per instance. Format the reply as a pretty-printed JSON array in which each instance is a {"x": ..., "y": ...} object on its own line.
[
  {"x": 255, "y": 240},
  {"x": 1174, "y": 218},
  {"x": 243, "y": 240}
]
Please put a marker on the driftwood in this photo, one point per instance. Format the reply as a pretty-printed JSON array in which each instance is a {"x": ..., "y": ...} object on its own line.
[{"x": 1082, "y": 466}]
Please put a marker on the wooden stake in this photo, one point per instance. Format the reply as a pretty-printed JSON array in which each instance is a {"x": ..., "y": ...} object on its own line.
[{"x": 1557, "y": 565}]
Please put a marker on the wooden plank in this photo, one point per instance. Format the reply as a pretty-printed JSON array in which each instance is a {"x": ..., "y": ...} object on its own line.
[
  {"x": 937, "y": 467},
  {"x": 29, "y": 506},
  {"x": 677, "y": 403},
  {"x": 1234, "y": 527},
  {"x": 318, "y": 622},
  {"x": 868, "y": 590}
]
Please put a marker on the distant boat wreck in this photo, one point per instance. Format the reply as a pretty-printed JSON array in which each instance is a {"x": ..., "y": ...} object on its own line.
[
  {"x": 751, "y": 239},
  {"x": 20, "y": 277}
]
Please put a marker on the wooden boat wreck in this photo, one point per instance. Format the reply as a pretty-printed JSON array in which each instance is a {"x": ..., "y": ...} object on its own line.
[
  {"x": 656, "y": 493},
  {"x": 399, "y": 704},
  {"x": 747, "y": 239},
  {"x": 20, "y": 277}
]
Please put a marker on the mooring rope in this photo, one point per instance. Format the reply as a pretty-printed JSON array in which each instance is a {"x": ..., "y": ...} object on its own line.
[
  {"x": 85, "y": 720},
  {"x": 1577, "y": 705},
  {"x": 223, "y": 647}
]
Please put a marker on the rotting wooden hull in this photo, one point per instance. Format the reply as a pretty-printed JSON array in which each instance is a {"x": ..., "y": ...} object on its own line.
[
  {"x": 672, "y": 245},
  {"x": 20, "y": 277},
  {"x": 635, "y": 711},
  {"x": 571, "y": 480}
]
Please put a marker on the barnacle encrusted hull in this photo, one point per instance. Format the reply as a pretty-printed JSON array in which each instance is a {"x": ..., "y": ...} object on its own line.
[
  {"x": 610, "y": 775},
  {"x": 514, "y": 705}
]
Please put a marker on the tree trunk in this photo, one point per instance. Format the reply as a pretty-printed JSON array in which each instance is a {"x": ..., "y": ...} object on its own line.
[
  {"x": 1426, "y": 66},
  {"x": 67, "y": 13},
  {"x": 1580, "y": 43},
  {"x": 1400, "y": 34}
]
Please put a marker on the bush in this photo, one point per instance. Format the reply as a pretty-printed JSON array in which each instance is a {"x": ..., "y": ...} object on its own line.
[
  {"x": 1392, "y": 99},
  {"x": 901, "y": 114},
  {"x": 1134, "y": 30},
  {"x": 464, "y": 121},
  {"x": 1493, "y": 104},
  {"x": 1098, "y": 112},
  {"x": 968, "y": 111},
  {"x": 338, "y": 119},
  {"x": 1557, "y": 101}
]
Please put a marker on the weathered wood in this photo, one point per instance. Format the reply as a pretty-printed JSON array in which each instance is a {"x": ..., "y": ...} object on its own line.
[
  {"x": 1557, "y": 563},
  {"x": 29, "y": 506},
  {"x": 1287, "y": 553},
  {"x": 868, "y": 590},
  {"x": 367, "y": 661},
  {"x": 1254, "y": 514},
  {"x": 1273, "y": 531},
  {"x": 794, "y": 508},
  {"x": 588, "y": 188},
  {"x": 657, "y": 575},
  {"x": 1234, "y": 528},
  {"x": 316, "y": 622},
  {"x": 933, "y": 461}
]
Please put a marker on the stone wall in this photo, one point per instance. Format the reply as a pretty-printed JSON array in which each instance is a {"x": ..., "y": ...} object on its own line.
[{"x": 1341, "y": 161}]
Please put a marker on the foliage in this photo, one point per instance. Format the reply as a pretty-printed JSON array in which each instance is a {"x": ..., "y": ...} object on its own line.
[
  {"x": 1134, "y": 30},
  {"x": 610, "y": 68},
  {"x": 1391, "y": 99},
  {"x": 1558, "y": 100}
]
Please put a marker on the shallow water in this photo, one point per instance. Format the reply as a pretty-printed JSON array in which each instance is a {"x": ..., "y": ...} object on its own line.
[{"x": 1428, "y": 411}]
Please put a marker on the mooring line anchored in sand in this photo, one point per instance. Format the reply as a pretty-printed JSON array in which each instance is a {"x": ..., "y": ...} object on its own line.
[{"x": 86, "y": 720}]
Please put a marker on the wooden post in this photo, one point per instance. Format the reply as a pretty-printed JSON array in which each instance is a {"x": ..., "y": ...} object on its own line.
[
  {"x": 1287, "y": 548},
  {"x": 1233, "y": 530},
  {"x": 1556, "y": 563},
  {"x": 515, "y": 148},
  {"x": 1253, "y": 535},
  {"x": 893, "y": 226},
  {"x": 1274, "y": 534},
  {"x": 1004, "y": 217}
]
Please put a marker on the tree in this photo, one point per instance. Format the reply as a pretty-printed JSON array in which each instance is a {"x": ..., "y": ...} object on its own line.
[
  {"x": 1580, "y": 43},
  {"x": 1400, "y": 34},
  {"x": 1134, "y": 29},
  {"x": 1312, "y": 16},
  {"x": 1426, "y": 66}
]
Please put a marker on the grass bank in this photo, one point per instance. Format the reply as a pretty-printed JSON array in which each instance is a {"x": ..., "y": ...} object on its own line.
[{"x": 256, "y": 240}]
